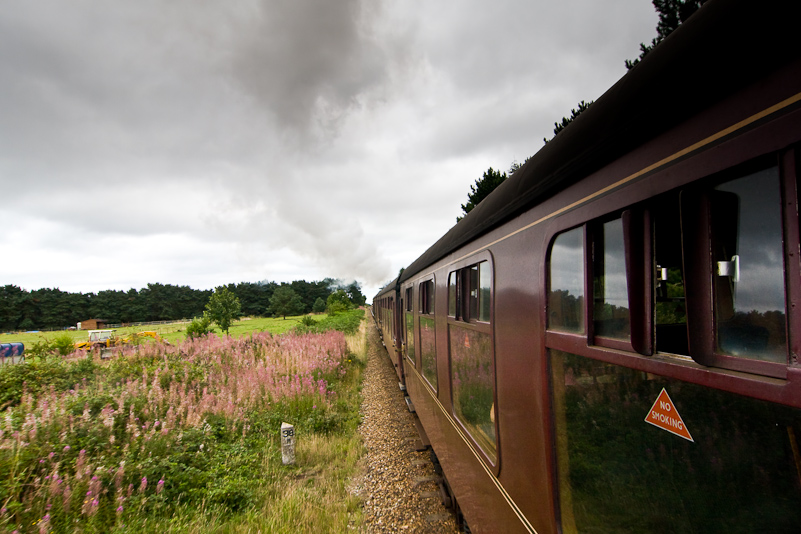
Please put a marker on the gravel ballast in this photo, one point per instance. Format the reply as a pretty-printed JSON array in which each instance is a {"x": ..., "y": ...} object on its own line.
[{"x": 398, "y": 484}]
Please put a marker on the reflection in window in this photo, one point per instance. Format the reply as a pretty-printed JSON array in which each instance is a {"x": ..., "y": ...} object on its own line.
[
  {"x": 611, "y": 297},
  {"x": 474, "y": 384},
  {"x": 452, "y": 294},
  {"x": 479, "y": 291},
  {"x": 749, "y": 286},
  {"x": 484, "y": 285},
  {"x": 409, "y": 325},
  {"x": 428, "y": 347},
  {"x": 410, "y": 336},
  {"x": 428, "y": 350},
  {"x": 566, "y": 276},
  {"x": 619, "y": 475}
]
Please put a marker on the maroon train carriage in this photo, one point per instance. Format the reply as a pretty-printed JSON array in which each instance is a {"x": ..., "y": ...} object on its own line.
[{"x": 609, "y": 342}]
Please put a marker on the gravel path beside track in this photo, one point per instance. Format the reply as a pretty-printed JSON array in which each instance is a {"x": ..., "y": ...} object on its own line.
[{"x": 398, "y": 484}]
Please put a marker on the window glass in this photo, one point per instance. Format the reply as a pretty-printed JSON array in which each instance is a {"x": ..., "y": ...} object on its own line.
[
  {"x": 485, "y": 285},
  {"x": 452, "y": 294},
  {"x": 749, "y": 282},
  {"x": 473, "y": 385},
  {"x": 472, "y": 277},
  {"x": 619, "y": 474},
  {"x": 611, "y": 297},
  {"x": 566, "y": 292},
  {"x": 428, "y": 350},
  {"x": 410, "y": 335}
]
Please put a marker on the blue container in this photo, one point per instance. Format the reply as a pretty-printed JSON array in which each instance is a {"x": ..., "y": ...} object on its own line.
[{"x": 7, "y": 350}]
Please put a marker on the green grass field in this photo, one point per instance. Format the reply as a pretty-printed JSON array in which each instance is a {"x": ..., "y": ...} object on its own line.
[{"x": 172, "y": 333}]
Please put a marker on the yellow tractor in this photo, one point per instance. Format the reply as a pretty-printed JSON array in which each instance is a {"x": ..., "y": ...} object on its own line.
[{"x": 105, "y": 339}]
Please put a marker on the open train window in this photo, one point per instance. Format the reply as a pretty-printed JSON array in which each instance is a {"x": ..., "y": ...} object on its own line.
[
  {"x": 472, "y": 360},
  {"x": 470, "y": 293},
  {"x": 428, "y": 346},
  {"x": 733, "y": 231}
]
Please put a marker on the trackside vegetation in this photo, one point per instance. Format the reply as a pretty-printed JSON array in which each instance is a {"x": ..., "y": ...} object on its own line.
[{"x": 184, "y": 437}]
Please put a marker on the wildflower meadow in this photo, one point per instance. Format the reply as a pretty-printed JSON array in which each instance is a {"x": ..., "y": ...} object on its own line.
[{"x": 181, "y": 438}]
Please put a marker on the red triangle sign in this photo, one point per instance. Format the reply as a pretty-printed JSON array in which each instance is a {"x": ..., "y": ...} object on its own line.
[{"x": 663, "y": 414}]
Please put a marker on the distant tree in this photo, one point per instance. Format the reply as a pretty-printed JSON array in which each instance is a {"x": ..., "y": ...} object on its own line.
[
  {"x": 672, "y": 13},
  {"x": 223, "y": 307},
  {"x": 255, "y": 297},
  {"x": 479, "y": 191},
  {"x": 319, "y": 305},
  {"x": 338, "y": 302},
  {"x": 354, "y": 291},
  {"x": 286, "y": 302},
  {"x": 10, "y": 311}
]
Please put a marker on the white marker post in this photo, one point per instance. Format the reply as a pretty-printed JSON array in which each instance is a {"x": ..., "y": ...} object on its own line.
[{"x": 287, "y": 443}]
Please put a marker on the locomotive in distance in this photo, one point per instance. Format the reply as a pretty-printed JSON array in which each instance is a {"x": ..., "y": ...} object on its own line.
[{"x": 645, "y": 259}]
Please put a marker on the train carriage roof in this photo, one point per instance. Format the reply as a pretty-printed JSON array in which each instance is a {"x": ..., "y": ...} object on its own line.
[{"x": 724, "y": 47}]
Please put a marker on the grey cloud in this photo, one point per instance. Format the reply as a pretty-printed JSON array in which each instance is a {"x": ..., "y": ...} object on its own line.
[{"x": 308, "y": 61}]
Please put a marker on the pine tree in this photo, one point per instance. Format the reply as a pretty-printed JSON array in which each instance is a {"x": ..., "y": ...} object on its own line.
[
  {"x": 481, "y": 189},
  {"x": 672, "y": 13}
]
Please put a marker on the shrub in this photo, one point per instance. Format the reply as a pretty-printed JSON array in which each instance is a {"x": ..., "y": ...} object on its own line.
[
  {"x": 63, "y": 344},
  {"x": 200, "y": 326}
]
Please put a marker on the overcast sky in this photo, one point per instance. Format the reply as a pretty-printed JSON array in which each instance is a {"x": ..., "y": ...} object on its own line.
[{"x": 200, "y": 143}]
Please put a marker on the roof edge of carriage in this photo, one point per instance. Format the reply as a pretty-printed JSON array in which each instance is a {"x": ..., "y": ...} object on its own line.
[{"x": 724, "y": 47}]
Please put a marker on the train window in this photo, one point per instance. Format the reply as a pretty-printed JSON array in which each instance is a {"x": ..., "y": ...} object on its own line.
[
  {"x": 428, "y": 347},
  {"x": 409, "y": 324},
  {"x": 749, "y": 263},
  {"x": 471, "y": 354},
  {"x": 670, "y": 302},
  {"x": 566, "y": 277},
  {"x": 452, "y": 294},
  {"x": 426, "y": 292},
  {"x": 470, "y": 293},
  {"x": 610, "y": 291},
  {"x": 617, "y": 473}
]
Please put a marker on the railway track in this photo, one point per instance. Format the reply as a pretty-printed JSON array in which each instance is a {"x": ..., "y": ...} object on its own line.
[{"x": 398, "y": 483}]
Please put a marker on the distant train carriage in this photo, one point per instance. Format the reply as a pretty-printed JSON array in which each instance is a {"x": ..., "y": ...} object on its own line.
[{"x": 609, "y": 342}]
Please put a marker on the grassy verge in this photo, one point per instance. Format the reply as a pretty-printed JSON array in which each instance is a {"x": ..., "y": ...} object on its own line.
[{"x": 185, "y": 438}]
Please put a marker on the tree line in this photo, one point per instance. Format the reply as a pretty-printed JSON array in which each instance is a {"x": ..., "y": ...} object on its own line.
[{"x": 52, "y": 308}]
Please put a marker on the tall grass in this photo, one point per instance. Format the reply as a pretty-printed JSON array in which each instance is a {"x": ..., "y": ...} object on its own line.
[{"x": 184, "y": 438}]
